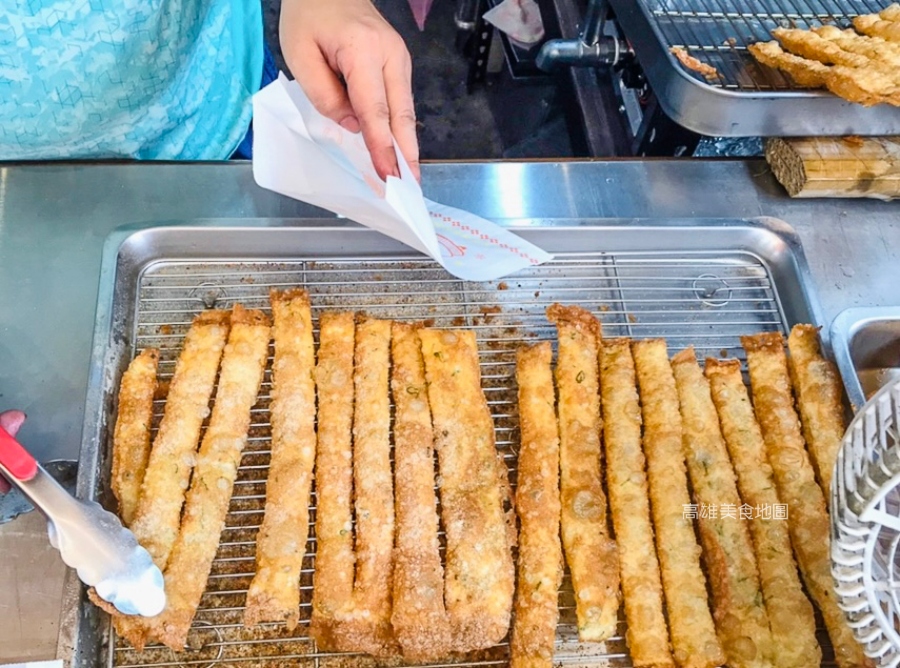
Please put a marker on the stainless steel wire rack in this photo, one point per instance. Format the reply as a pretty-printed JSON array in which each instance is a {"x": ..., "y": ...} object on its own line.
[
  {"x": 746, "y": 98},
  {"x": 701, "y": 283},
  {"x": 702, "y": 301},
  {"x": 717, "y": 32}
]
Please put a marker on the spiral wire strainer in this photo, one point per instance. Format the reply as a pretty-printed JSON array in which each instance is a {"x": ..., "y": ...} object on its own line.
[{"x": 865, "y": 526}]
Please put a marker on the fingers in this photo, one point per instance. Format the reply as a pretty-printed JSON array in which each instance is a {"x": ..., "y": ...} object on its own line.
[
  {"x": 11, "y": 421},
  {"x": 366, "y": 89},
  {"x": 325, "y": 91},
  {"x": 323, "y": 41},
  {"x": 398, "y": 86}
]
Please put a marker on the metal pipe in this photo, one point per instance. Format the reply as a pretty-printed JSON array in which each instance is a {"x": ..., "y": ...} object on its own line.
[
  {"x": 592, "y": 26},
  {"x": 590, "y": 49}
]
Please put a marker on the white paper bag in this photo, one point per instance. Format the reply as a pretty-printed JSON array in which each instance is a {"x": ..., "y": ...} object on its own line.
[{"x": 300, "y": 153}]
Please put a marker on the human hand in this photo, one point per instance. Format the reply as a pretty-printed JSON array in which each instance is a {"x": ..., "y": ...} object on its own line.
[
  {"x": 324, "y": 41},
  {"x": 11, "y": 421}
]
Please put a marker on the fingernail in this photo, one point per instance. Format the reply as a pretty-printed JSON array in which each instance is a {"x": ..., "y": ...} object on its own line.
[{"x": 350, "y": 123}]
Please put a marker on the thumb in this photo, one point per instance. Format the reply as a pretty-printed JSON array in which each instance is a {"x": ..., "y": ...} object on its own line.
[{"x": 12, "y": 421}]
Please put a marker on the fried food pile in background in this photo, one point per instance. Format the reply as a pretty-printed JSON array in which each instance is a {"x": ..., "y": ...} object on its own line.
[
  {"x": 617, "y": 443},
  {"x": 861, "y": 65}
]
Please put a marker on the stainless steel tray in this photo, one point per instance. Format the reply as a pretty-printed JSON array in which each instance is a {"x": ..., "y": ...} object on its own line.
[
  {"x": 866, "y": 343},
  {"x": 749, "y": 100},
  {"x": 702, "y": 283}
]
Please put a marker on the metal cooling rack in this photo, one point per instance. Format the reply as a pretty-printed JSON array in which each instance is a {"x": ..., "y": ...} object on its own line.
[
  {"x": 717, "y": 32},
  {"x": 686, "y": 298},
  {"x": 746, "y": 99}
]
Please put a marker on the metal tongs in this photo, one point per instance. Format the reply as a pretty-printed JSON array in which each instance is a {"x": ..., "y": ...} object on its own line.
[{"x": 90, "y": 539}]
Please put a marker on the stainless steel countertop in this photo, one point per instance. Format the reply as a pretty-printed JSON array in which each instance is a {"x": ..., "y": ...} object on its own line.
[{"x": 54, "y": 219}]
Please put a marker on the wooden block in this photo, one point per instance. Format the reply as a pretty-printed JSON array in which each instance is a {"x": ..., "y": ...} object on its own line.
[{"x": 837, "y": 166}]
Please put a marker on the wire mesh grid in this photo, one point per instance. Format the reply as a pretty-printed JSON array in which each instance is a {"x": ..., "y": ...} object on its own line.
[
  {"x": 702, "y": 300},
  {"x": 717, "y": 32}
]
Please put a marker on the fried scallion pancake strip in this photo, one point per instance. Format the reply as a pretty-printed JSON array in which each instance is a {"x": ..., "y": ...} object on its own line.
[
  {"x": 479, "y": 573},
  {"x": 629, "y": 502},
  {"x": 590, "y": 552},
  {"x": 419, "y": 618},
  {"x": 367, "y": 626},
  {"x": 818, "y": 390},
  {"x": 693, "y": 632},
  {"x": 738, "y": 605},
  {"x": 797, "y": 487},
  {"x": 131, "y": 439},
  {"x": 274, "y": 593},
  {"x": 335, "y": 559},
  {"x": 206, "y": 506},
  {"x": 540, "y": 561},
  {"x": 174, "y": 449},
  {"x": 791, "y": 617}
]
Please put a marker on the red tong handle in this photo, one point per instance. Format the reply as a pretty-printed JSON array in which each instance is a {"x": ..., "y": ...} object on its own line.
[{"x": 16, "y": 459}]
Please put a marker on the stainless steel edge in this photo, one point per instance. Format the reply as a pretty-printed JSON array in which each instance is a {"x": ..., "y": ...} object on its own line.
[
  {"x": 843, "y": 329},
  {"x": 714, "y": 111},
  {"x": 128, "y": 250},
  {"x": 82, "y": 631},
  {"x": 51, "y": 246}
]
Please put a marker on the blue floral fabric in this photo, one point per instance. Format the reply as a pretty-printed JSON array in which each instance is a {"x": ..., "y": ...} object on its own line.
[{"x": 146, "y": 79}]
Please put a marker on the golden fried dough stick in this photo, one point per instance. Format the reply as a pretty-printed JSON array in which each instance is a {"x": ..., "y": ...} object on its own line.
[
  {"x": 206, "y": 506},
  {"x": 479, "y": 575},
  {"x": 168, "y": 473},
  {"x": 274, "y": 593},
  {"x": 540, "y": 564},
  {"x": 855, "y": 76},
  {"x": 367, "y": 627},
  {"x": 690, "y": 623},
  {"x": 818, "y": 389},
  {"x": 864, "y": 85},
  {"x": 874, "y": 48},
  {"x": 333, "y": 579},
  {"x": 796, "y": 482},
  {"x": 791, "y": 617},
  {"x": 807, "y": 44},
  {"x": 876, "y": 26},
  {"x": 738, "y": 605},
  {"x": 867, "y": 86},
  {"x": 629, "y": 502},
  {"x": 590, "y": 552},
  {"x": 131, "y": 439},
  {"x": 803, "y": 71},
  {"x": 419, "y": 618}
]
